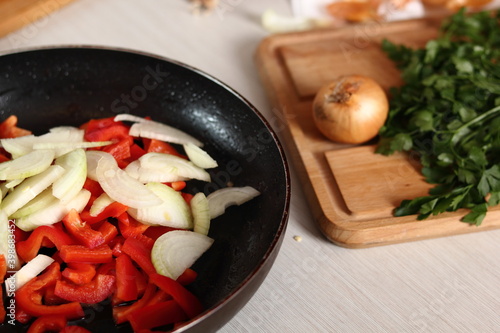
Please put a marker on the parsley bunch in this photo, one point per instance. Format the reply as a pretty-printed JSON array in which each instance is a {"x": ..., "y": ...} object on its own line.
[{"x": 448, "y": 113}]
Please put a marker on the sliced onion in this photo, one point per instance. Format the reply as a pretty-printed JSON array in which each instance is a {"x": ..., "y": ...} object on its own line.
[
  {"x": 53, "y": 213},
  {"x": 155, "y": 130},
  {"x": 144, "y": 175},
  {"x": 199, "y": 157},
  {"x": 93, "y": 157},
  {"x": 177, "y": 250},
  {"x": 219, "y": 200},
  {"x": 13, "y": 183},
  {"x": 99, "y": 204},
  {"x": 201, "y": 213},
  {"x": 172, "y": 165},
  {"x": 23, "y": 145},
  {"x": 70, "y": 145},
  {"x": 173, "y": 211},
  {"x": 27, "y": 165},
  {"x": 129, "y": 117},
  {"x": 31, "y": 270},
  {"x": 42, "y": 200},
  {"x": 71, "y": 182},
  {"x": 29, "y": 189},
  {"x": 121, "y": 187}
]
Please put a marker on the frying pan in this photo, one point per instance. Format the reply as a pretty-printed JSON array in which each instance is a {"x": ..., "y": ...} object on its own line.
[{"x": 70, "y": 85}]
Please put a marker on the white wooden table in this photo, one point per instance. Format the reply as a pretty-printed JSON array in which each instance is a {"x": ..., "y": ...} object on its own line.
[{"x": 441, "y": 285}]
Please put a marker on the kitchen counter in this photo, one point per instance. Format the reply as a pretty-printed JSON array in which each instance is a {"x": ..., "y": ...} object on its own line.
[{"x": 440, "y": 285}]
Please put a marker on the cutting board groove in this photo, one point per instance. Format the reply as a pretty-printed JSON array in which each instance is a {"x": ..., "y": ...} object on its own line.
[{"x": 351, "y": 190}]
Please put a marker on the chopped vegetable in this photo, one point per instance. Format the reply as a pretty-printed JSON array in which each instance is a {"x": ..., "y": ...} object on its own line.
[
  {"x": 85, "y": 229},
  {"x": 219, "y": 200},
  {"x": 448, "y": 112}
]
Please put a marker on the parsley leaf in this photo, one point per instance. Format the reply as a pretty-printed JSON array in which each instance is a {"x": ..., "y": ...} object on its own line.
[{"x": 448, "y": 113}]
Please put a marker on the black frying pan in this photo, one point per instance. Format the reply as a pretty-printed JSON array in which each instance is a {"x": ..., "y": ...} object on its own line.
[{"x": 68, "y": 86}]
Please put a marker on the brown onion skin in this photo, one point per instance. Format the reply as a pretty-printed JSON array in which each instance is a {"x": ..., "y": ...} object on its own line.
[{"x": 351, "y": 109}]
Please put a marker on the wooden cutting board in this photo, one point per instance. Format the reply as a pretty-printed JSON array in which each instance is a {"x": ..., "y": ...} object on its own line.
[
  {"x": 351, "y": 190},
  {"x": 19, "y": 13}
]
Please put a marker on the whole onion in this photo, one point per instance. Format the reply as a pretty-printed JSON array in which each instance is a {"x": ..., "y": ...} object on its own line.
[{"x": 351, "y": 109}]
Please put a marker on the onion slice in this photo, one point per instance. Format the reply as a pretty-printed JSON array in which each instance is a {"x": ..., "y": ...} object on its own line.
[
  {"x": 177, "y": 250},
  {"x": 99, "y": 204},
  {"x": 199, "y": 157},
  {"x": 71, "y": 182},
  {"x": 30, "y": 270},
  {"x": 27, "y": 165},
  {"x": 53, "y": 213},
  {"x": 219, "y": 200},
  {"x": 29, "y": 189},
  {"x": 201, "y": 213},
  {"x": 155, "y": 130},
  {"x": 173, "y": 211},
  {"x": 42, "y": 200},
  {"x": 121, "y": 187},
  {"x": 171, "y": 165}
]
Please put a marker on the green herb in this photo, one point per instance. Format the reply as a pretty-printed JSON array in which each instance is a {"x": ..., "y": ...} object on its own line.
[{"x": 448, "y": 111}]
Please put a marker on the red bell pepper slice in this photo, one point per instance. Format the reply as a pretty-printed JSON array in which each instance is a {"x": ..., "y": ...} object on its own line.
[
  {"x": 136, "y": 152},
  {"x": 140, "y": 253},
  {"x": 108, "y": 231},
  {"x": 187, "y": 197},
  {"x": 154, "y": 232},
  {"x": 186, "y": 300},
  {"x": 9, "y": 129},
  {"x": 79, "y": 273},
  {"x": 114, "y": 209},
  {"x": 120, "y": 313},
  {"x": 93, "y": 187},
  {"x": 100, "y": 288},
  {"x": 49, "y": 323},
  {"x": 3, "y": 272},
  {"x": 126, "y": 275},
  {"x": 129, "y": 227},
  {"x": 82, "y": 231},
  {"x": 156, "y": 315},
  {"x": 157, "y": 146},
  {"x": 29, "y": 297},
  {"x": 82, "y": 254},
  {"x": 188, "y": 277},
  {"x": 29, "y": 248},
  {"x": 120, "y": 150},
  {"x": 105, "y": 130},
  {"x": 22, "y": 316},
  {"x": 178, "y": 185}
]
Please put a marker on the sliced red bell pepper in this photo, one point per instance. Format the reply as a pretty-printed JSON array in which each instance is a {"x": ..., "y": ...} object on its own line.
[
  {"x": 120, "y": 313},
  {"x": 154, "y": 232},
  {"x": 3, "y": 272},
  {"x": 115, "y": 132},
  {"x": 29, "y": 248},
  {"x": 157, "y": 146},
  {"x": 126, "y": 275},
  {"x": 129, "y": 227},
  {"x": 93, "y": 187},
  {"x": 156, "y": 315},
  {"x": 114, "y": 209},
  {"x": 116, "y": 245},
  {"x": 120, "y": 150},
  {"x": 9, "y": 129},
  {"x": 22, "y": 316},
  {"x": 82, "y": 231},
  {"x": 136, "y": 152},
  {"x": 79, "y": 273},
  {"x": 108, "y": 231},
  {"x": 140, "y": 253},
  {"x": 186, "y": 300},
  {"x": 29, "y": 297},
  {"x": 100, "y": 288},
  {"x": 48, "y": 323},
  {"x": 188, "y": 277},
  {"x": 82, "y": 254},
  {"x": 187, "y": 197},
  {"x": 178, "y": 186}
]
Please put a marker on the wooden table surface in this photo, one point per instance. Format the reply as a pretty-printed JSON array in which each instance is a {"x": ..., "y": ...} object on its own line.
[{"x": 447, "y": 284}]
